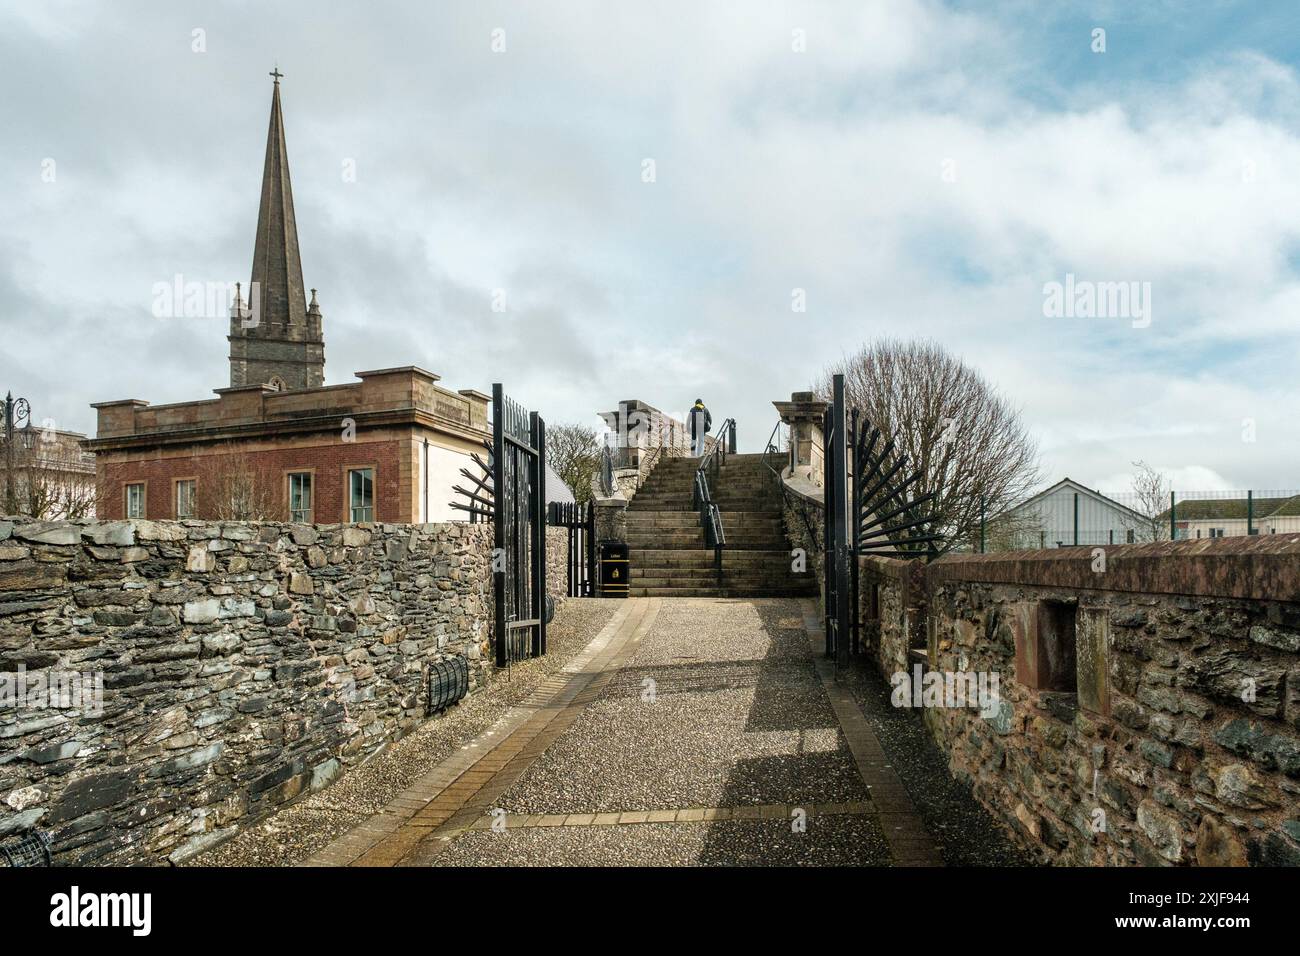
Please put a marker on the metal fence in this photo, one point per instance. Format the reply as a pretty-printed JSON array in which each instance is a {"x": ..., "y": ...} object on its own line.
[{"x": 1067, "y": 516}]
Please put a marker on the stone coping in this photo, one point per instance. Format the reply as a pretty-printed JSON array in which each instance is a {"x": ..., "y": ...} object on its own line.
[{"x": 1262, "y": 567}]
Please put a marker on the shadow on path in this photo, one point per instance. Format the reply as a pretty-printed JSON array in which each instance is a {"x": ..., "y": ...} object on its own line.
[
  {"x": 966, "y": 833},
  {"x": 788, "y": 696}
]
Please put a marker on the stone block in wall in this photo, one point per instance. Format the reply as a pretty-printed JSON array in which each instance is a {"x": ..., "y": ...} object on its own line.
[
  {"x": 611, "y": 519},
  {"x": 1224, "y": 673},
  {"x": 1024, "y": 628},
  {"x": 1093, "y": 659},
  {"x": 226, "y": 689}
]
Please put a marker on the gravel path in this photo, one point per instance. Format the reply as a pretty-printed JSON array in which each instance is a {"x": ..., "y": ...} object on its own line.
[
  {"x": 299, "y": 830},
  {"x": 836, "y": 841},
  {"x": 719, "y": 706},
  {"x": 966, "y": 834},
  {"x": 737, "y": 716}
]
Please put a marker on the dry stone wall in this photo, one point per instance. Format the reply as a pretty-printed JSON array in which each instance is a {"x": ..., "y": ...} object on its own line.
[
  {"x": 239, "y": 666},
  {"x": 1149, "y": 707}
]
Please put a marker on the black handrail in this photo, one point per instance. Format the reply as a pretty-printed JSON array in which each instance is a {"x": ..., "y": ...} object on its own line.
[
  {"x": 771, "y": 448},
  {"x": 717, "y": 455},
  {"x": 710, "y": 517}
]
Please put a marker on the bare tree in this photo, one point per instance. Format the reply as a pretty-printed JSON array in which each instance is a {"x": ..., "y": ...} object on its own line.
[
  {"x": 1151, "y": 489},
  {"x": 966, "y": 440},
  {"x": 574, "y": 452},
  {"x": 231, "y": 485},
  {"x": 52, "y": 477},
  {"x": 1013, "y": 530}
]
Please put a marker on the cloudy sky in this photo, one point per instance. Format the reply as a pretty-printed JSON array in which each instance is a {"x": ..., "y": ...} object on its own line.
[{"x": 916, "y": 168}]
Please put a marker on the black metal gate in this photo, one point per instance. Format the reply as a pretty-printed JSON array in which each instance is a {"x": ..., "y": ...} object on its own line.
[
  {"x": 868, "y": 511},
  {"x": 519, "y": 519},
  {"x": 580, "y": 556},
  {"x": 511, "y": 491},
  {"x": 839, "y": 561}
]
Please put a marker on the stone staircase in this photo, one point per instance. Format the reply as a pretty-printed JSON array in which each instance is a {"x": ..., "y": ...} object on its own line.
[{"x": 668, "y": 557}]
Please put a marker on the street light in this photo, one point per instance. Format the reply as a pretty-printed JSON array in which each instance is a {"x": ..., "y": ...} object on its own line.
[{"x": 17, "y": 411}]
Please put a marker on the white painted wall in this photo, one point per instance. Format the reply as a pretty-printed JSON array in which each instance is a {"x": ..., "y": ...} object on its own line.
[
  {"x": 1099, "y": 521},
  {"x": 443, "y": 473},
  {"x": 1201, "y": 527}
]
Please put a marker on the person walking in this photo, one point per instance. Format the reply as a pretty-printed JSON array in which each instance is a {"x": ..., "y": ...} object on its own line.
[{"x": 698, "y": 423}]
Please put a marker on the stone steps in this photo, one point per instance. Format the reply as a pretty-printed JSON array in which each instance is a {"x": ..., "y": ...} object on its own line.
[
  {"x": 683, "y": 502},
  {"x": 703, "y": 558},
  {"x": 644, "y": 542},
  {"x": 667, "y": 520},
  {"x": 667, "y": 557},
  {"x": 732, "y": 592},
  {"x": 707, "y": 577}
]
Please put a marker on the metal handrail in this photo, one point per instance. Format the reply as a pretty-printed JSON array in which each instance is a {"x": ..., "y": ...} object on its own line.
[
  {"x": 717, "y": 455},
  {"x": 710, "y": 517},
  {"x": 771, "y": 447}
]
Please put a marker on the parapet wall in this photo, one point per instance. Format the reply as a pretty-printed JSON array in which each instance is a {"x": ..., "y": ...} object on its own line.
[
  {"x": 1148, "y": 704},
  {"x": 240, "y": 666}
]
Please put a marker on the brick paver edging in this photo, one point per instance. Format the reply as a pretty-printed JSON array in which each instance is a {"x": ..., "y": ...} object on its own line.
[
  {"x": 909, "y": 841},
  {"x": 456, "y": 794},
  {"x": 765, "y": 811}
]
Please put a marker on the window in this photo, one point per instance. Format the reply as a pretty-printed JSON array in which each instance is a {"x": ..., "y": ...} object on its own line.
[
  {"x": 185, "y": 498},
  {"x": 135, "y": 501},
  {"x": 1045, "y": 650},
  {"x": 361, "y": 494},
  {"x": 1131, "y": 536},
  {"x": 1056, "y": 667},
  {"x": 300, "y": 497}
]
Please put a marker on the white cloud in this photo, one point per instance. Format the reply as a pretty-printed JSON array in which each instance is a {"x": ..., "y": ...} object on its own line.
[{"x": 819, "y": 170}]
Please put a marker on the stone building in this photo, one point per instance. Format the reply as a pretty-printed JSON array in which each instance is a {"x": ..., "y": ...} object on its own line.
[
  {"x": 278, "y": 443},
  {"x": 47, "y": 474}
]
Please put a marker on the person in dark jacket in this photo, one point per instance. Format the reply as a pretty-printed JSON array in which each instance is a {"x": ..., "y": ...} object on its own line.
[{"x": 698, "y": 423}]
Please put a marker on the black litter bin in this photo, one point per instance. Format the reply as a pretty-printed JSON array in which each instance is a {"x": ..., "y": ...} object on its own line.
[{"x": 613, "y": 569}]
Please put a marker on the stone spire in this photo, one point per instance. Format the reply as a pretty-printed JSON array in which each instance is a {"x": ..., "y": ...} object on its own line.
[{"x": 275, "y": 341}]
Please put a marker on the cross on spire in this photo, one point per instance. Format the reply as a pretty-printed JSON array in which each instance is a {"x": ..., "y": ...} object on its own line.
[{"x": 276, "y": 73}]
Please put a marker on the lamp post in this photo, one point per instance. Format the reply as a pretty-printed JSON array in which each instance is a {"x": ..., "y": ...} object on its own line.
[{"x": 17, "y": 411}]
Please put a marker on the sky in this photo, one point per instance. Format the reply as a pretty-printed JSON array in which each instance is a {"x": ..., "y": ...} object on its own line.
[{"x": 653, "y": 191}]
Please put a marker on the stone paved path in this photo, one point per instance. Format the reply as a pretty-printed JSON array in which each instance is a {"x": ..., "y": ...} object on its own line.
[{"x": 689, "y": 732}]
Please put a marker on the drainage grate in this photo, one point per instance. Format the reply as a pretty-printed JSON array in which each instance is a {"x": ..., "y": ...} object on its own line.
[
  {"x": 448, "y": 683},
  {"x": 31, "y": 850}
]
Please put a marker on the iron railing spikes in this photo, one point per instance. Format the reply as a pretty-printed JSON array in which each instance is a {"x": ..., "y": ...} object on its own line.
[
  {"x": 902, "y": 460},
  {"x": 880, "y": 519},
  {"x": 882, "y": 531}
]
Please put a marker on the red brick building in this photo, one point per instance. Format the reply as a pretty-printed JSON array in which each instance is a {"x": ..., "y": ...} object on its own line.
[{"x": 277, "y": 443}]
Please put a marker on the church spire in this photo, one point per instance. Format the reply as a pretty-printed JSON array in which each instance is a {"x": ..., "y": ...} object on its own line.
[
  {"x": 276, "y": 340},
  {"x": 277, "y": 265}
]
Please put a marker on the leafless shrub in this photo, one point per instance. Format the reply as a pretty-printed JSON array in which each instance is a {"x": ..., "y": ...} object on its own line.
[
  {"x": 1151, "y": 489},
  {"x": 47, "y": 475},
  {"x": 966, "y": 439},
  {"x": 232, "y": 485},
  {"x": 574, "y": 453}
]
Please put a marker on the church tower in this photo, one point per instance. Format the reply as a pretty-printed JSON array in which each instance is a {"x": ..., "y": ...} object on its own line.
[{"x": 275, "y": 335}]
